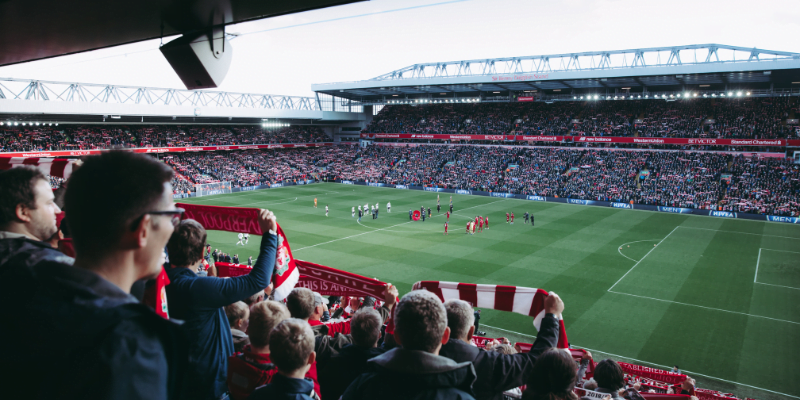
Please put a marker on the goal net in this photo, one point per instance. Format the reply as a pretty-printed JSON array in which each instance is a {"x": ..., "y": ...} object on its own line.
[{"x": 207, "y": 189}]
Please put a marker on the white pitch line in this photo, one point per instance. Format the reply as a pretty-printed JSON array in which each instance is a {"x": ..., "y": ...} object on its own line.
[
  {"x": 619, "y": 249},
  {"x": 651, "y": 363},
  {"x": 645, "y": 256},
  {"x": 707, "y": 308},
  {"x": 758, "y": 261},
  {"x": 769, "y": 284},
  {"x": 383, "y": 229},
  {"x": 743, "y": 233}
]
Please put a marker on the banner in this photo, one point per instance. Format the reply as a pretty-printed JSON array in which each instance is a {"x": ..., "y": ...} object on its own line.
[
  {"x": 591, "y": 139},
  {"x": 648, "y": 396},
  {"x": 58, "y": 167},
  {"x": 333, "y": 282},
  {"x": 652, "y": 373}
]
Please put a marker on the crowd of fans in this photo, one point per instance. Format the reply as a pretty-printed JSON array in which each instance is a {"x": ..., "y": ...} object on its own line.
[
  {"x": 88, "y": 137},
  {"x": 752, "y": 118},
  {"x": 706, "y": 180},
  {"x": 111, "y": 308}
]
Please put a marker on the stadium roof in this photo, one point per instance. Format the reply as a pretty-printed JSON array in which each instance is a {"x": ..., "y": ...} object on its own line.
[
  {"x": 704, "y": 67},
  {"x": 36, "y": 29}
]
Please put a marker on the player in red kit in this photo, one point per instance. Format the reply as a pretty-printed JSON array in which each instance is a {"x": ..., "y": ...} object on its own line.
[
  {"x": 448, "y": 215},
  {"x": 487, "y": 222},
  {"x": 512, "y": 217},
  {"x": 506, "y": 217},
  {"x": 467, "y": 226},
  {"x": 480, "y": 224},
  {"x": 445, "y": 228}
]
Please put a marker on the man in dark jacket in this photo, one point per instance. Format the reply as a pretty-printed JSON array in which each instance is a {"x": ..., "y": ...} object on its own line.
[
  {"x": 200, "y": 302},
  {"x": 497, "y": 372},
  {"x": 415, "y": 370},
  {"x": 27, "y": 219},
  {"x": 345, "y": 367},
  {"x": 101, "y": 341}
]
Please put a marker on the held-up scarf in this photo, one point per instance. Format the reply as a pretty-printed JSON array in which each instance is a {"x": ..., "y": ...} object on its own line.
[
  {"x": 58, "y": 167},
  {"x": 522, "y": 300},
  {"x": 245, "y": 220}
]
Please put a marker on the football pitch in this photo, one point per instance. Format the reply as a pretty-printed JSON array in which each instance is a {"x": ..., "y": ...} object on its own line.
[{"x": 719, "y": 297}]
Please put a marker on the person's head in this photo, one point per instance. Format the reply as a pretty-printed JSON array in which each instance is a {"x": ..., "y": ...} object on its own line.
[
  {"x": 185, "y": 246},
  {"x": 138, "y": 220},
  {"x": 319, "y": 307},
  {"x": 300, "y": 302},
  {"x": 27, "y": 204},
  {"x": 675, "y": 368},
  {"x": 255, "y": 298},
  {"x": 460, "y": 319},
  {"x": 420, "y": 322},
  {"x": 504, "y": 349},
  {"x": 291, "y": 345},
  {"x": 238, "y": 314},
  {"x": 609, "y": 375},
  {"x": 365, "y": 327},
  {"x": 265, "y": 316},
  {"x": 552, "y": 377}
]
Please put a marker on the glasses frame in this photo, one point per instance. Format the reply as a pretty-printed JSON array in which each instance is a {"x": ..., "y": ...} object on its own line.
[{"x": 177, "y": 215}]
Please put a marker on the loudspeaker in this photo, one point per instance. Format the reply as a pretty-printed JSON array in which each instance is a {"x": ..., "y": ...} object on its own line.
[{"x": 200, "y": 60}]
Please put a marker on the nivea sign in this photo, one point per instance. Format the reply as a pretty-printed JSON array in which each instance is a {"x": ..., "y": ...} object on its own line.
[
  {"x": 347, "y": 182},
  {"x": 276, "y": 185},
  {"x": 247, "y": 188},
  {"x": 676, "y": 210},
  {"x": 462, "y": 191},
  {"x": 506, "y": 195},
  {"x": 433, "y": 189},
  {"x": 775, "y": 218},
  {"x": 723, "y": 214},
  {"x": 622, "y": 205},
  {"x": 401, "y": 186},
  {"x": 377, "y": 184},
  {"x": 537, "y": 198}
]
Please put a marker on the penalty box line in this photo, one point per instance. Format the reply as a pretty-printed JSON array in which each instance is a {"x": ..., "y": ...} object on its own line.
[{"x": 642, "y": 259}]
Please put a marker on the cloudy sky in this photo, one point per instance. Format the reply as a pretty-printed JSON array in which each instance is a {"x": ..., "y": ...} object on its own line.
[{"x": 285, "y": 55}]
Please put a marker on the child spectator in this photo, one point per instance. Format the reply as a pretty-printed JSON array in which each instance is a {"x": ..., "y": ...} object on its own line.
[
  {"x": 292, "y": 352},
  {"x": 238, "y": 316}
]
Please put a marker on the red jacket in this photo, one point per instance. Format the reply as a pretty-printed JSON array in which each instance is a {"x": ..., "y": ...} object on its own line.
[{"x": 248, "y": 370}]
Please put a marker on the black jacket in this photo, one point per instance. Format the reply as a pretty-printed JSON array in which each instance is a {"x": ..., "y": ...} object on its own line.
[
  {"x": 19, "y": 250},
  {"x": 85, "y": 339},
  {"x": 343, "y": 368},
  {"x": 284, "y": 388},
  {"x": 413, "y": 375},
  {"x": 499, "y": 372}
]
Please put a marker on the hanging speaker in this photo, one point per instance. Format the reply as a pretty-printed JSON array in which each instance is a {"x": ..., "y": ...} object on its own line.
[{"x": 200, "y": 60}]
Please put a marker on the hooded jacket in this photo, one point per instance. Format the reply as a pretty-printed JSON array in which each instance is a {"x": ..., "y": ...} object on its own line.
[
  {"x": 413, "y": 375},
  {"x": 85, "y": 339},
  {"x": 343, "y": 368},
  {"x": 19, "y": 250}
]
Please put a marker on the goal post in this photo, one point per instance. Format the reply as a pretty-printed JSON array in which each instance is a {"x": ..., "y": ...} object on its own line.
[{"x": 208, "y": 189}]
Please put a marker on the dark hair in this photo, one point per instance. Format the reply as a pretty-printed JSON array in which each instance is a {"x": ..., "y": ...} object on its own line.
[
  {"x": 420, "y": 321},
  {"x": 300, "y": 303},
  {"x": 136, "y": 183},
  {"x": 609, "y": 375},
  {"x": 552, "y": 377},
  {"x": 365, "y": 327},
  {"x": 185, "y": 246},
  {"x": 17, "y": 188}
]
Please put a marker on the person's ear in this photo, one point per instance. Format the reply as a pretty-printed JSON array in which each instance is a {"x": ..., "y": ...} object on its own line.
[
  {"x": 446, "y": 335},
  {"x": 23, "y": 213},
  {"x": 141, "y": 232},
  {"x": 470, "y": 332},
  {"x": 397, "y": 338},
  {"x": 312, "y": 357}
]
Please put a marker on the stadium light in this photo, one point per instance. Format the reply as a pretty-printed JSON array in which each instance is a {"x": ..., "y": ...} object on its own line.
[
  {"x": 730, "y": 94},
  {"x": 739, "y": 94},
  {"x": 37, "y": 124},
  {"x": 581, "y": 97},
  {"x": 748, "y": 93},
  {"x": 679, "y": 95},
  {"x": 56, "y": 123},
  {"x": 639, "y": 96},
  {"x": 16, "y": 123},
  {"x": 2, "y": 123},
  {"x": 595, "y": 97},
  {"x": 713, "y": 95},
  {"x": 695, "y": 95}
]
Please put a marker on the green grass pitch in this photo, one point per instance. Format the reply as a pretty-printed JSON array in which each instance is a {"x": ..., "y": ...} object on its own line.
[{"x": 661, "y": 288}]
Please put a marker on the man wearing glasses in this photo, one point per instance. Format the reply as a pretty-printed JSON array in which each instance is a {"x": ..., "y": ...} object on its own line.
[{"x": 82, "y": 318}]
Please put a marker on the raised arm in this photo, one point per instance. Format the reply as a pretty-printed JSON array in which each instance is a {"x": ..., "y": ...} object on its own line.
[{"x": 215, "y": 292}]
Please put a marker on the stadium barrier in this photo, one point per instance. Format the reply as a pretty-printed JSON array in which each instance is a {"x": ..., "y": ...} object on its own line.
[
  {"x": 589, "y": 139},
  {"x": 158, "y": 150},
  {"x": 599, "y": 203},
  {"x": 250, "y": 188}
]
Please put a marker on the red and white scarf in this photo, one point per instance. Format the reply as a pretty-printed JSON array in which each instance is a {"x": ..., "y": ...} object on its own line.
[
  {"x": 58, "y": 167},
  {"x": 521, "y": 300}
]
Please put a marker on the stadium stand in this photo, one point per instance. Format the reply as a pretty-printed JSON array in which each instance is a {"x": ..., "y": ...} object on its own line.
[
  {"x": 749, "y": 118},
  {"x": 86, "y": 137}
]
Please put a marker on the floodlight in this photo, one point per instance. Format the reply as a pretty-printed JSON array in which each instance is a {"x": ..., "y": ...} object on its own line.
[
  {"x": 695, "y": 95},
  {"x": 595, "y": 97},
  {"x": 730, "y": 93},
  {"x": 748, "y": 93},
  {"x": 739, "y": 94}
]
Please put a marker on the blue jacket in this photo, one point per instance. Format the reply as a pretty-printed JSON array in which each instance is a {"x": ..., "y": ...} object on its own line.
[
  {"x": 285, "y": 388},
  {"x": 199, "y": 302}
]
